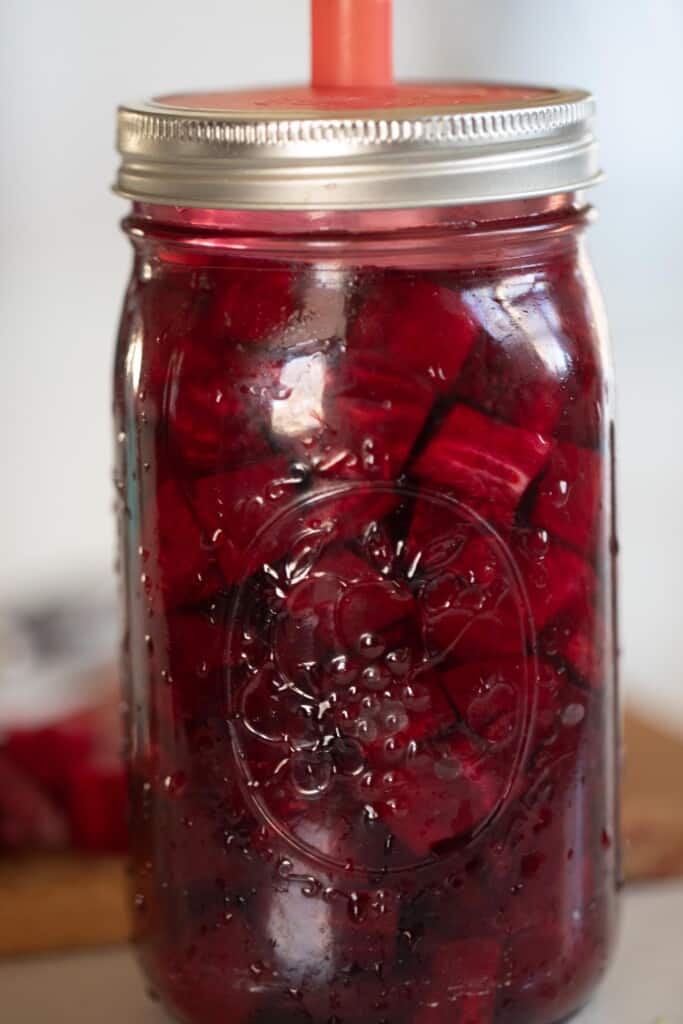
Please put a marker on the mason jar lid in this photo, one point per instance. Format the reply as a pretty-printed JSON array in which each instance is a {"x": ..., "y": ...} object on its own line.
[{"x": 410, "y": 145}]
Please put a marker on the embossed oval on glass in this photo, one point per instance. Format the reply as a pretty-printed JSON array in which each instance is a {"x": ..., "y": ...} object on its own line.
[{"x": 366, "y": 519}]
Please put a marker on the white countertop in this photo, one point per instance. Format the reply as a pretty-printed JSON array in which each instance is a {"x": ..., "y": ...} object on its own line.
[{"x": 645, "y": 985}]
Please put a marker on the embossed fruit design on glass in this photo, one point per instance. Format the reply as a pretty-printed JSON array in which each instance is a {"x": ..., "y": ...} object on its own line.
[{"x": 364, "y": 463}]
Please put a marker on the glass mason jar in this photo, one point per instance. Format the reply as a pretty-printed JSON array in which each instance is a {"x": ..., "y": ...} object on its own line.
[{"x": 364, "y": 460}]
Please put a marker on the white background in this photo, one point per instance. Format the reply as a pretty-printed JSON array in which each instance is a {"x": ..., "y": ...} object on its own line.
[{"x": 64, "y": 65}]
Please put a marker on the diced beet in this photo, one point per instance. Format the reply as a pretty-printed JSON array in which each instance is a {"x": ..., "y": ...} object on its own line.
[
  {"x": 250, "y": 303},
  {"x": 417, "y": 327},
  {"x": 97, "y": 804},
  {"x": 74, "y": 765},
  {"x": 493, "y": 698},
  {"x": 187, "y": 569},
  {"x": 583, "y": 418},
  {"x": 465, "y": 981},
  {"x": 446, "y": 790},
  {"x": 30, "y": 818},
  {"x": 195, "y": 644},
  {"x": 489, "y": 601},
  {"x": 51, "y": 754},
  {"x": 510, "y": 702},
  {"x": 367, "y": 928},
  {"x": 235, "y": 508},
  {"x": 438, "y": 533},
  {"x": 570, "y": 496},
  {"x": 312, "y": 625},
  {"x": 171, "y": 306},
  {"x": 578, "y": 640},
  {"x": 487, "y": 464},
  {"x": 374, "y": 417},
  {"x": 191, "y": 971},
  {"x": 192, "y": 658},
  {"x": 217, "y": 405},
  {"x": 340, "y": 606},
  {"x": 584, "y": 653},
  {"x": 346, "y": 512},
  {"x": 519, "y": 369},
  {"x": 368, "y": 607}
]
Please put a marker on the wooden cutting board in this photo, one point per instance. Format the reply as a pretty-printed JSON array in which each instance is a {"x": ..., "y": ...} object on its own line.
[
  {"x": 652, "y": 801},
  {"x": 54, "y": 902}
]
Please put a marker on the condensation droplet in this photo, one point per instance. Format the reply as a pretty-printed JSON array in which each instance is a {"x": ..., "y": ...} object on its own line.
[
  {"x": 573, "y": 714},
  {"x": 311, "y": 772}
]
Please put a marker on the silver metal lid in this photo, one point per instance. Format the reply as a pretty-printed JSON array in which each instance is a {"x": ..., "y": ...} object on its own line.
[{"x": 420, "y": 144}]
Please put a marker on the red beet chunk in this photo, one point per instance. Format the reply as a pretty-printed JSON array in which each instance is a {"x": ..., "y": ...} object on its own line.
[
  {"x": 583, "y": 418},
  {"x": 342, "y": 606},
  {"x": 489, "y": 465},
  {"x": 75, "y": 767},
  {"x": 493, "y": 698},
  {"x": 360, "y": 425},
  {"x": 249, "y": 304},
  {"x": 519, "y": 369},
  {"x": 51, "y": 754},
  {"x": 570, "y": 496},
  {"x": 217, "y": 404},
  {"x": 446, "y": 790},
  {"x": 339, "y": 512},
  {"x": 368, "y": 608},
  {"x": 417, "y": 327},
  {"x": 390, "y": 718},
  {"x": 584, "y": 652},
  {"x": 233, "y": 508},
  {"x": 192, "y": 658},
  {"x": 403, "y": 350},
  {"x": 506, "y": 700},
  {"x": 171, "y": 304},
  {"x": 216, "y": 975},
  {"x": 478, "y": 606},
  {"x": 375, "y": 417},
  {"x": 97, "y": 805},
  {"x": 30, "y": 817},
  {"x": 579, "y": 641},
  {"x": 465, "y": 975},
  {"x": 196, "y": 644},
  {"x": 187, "y": 569}
]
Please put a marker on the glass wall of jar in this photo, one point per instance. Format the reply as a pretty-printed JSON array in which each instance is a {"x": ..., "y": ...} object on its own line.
[{"x": 366, "y": 510}]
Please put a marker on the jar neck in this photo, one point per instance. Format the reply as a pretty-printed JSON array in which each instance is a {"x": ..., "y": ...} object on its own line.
[{"x": 487, "y": 233}]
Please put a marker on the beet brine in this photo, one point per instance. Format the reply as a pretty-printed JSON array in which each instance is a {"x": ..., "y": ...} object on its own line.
[{"x": 364, "y": 461}]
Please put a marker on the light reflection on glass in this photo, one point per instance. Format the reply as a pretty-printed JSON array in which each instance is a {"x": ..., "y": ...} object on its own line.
[
  {"x": 298, "y": 409},
  {"x": 134, "y": 356},
  {"x": 522, "y": 311}
]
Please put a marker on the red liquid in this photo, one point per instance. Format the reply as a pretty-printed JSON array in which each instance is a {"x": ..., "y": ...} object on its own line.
[{"x": 369, "y": 646}]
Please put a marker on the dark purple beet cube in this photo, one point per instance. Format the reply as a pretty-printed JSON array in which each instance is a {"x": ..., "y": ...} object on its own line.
[
  {"x": 216, "y": 403},
  {"x": 517, "y": 371},
  {"x": 570, "y": 495},
  {"x": 468, "y": 971},
  {"x": 234, "y": 508},
  {"x": 478, "y": 606},
  {"x": 187, "y": 569},
  {"x": 250, "y": 304},
  {"x": 417, "y": 327}
]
